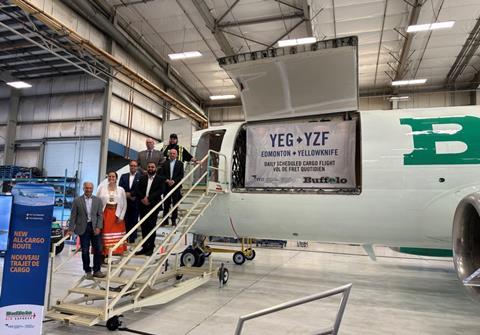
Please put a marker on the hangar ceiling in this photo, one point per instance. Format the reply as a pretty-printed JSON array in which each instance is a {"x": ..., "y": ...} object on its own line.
[{"x": 447, "y": 58}]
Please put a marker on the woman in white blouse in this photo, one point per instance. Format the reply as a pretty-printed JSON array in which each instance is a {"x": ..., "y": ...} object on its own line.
[{"x": 114, "y": 207}]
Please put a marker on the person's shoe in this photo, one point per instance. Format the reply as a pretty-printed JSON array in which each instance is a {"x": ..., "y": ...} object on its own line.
[
  {"x": 99, "y": 274},
  {"x": 141, "y": 252},
  {"x": 149, "y": 253},
  {"x": 88, "y": 275}
]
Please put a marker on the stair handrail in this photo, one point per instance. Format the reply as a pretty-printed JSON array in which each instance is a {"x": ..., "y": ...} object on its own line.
[
  {"x": 127, "y": 258},
  {"x": 154, "y": 209},
  {"x": 344, "y": 290},
  {"x": 168, "y": 238},
  {"x": 54, "y": 269},
  {"x": 139, "y": 223},
  {"x": 211, "y": 167}
]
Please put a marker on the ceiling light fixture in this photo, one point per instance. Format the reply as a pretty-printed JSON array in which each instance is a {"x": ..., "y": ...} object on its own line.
[
  {"x": 222, "y": 97},
  {"x": 296, "y": 41},
  {"x": 409, "y": 82},
  {"x": 398, "y": 98},
  {"x": 18, "y": 84},
  {"x": 430, "y": 26},
  {"x": 184, "y": 55}
]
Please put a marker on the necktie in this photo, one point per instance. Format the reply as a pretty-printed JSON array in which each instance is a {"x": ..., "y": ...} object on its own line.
[{"x": 149, "y": 155}]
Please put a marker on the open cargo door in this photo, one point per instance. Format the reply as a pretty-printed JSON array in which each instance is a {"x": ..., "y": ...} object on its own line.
[
  {"x": 303, "y": 127},
  {"x": 292, "y": 82}
]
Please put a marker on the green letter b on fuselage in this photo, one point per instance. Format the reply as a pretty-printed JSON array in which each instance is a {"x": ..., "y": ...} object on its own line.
[{"x": 425, "y": 139}]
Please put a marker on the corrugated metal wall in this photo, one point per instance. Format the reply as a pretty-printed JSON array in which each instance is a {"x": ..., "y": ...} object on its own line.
[{"x": 63, "y": 109}]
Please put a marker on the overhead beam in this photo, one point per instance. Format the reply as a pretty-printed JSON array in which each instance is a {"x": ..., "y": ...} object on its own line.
[
  {"x": 107, "y": 106},
  {"x": 16, "y": 44},
  {"x": 286, "y": 33},
  {"x": 34, "y": 64},
  {"x": 288, "y": 4},
  {"x": 245, "y": 38},
  {"x": 135, "y": 2},
  {"x": 26, "y": 57},
  {"x": 404, "y": 54},
  {"x": 334, "y": 20},
  {"x": 380, "y": 44},
  {"x": 11, "y": 132},
  {"x": 220, "y": 37},
  {"x": 148, "y": 59},
  {"x": 109, "y": 12},
  {"x": 51, "y": 69},
  {"x": 307, "y": 18},
  {"x": 108, "y": 59},
  {"x": 16, "y": 59},
  {"x": 465, "y": 55},
  {"x": 6, "y": 33},
  {"x": 229, "y": 9},
  {"x": 50, "y": 75},
  {"x": 262, "y": 20}
]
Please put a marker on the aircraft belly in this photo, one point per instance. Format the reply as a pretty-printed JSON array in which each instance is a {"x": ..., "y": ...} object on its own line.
[{"x": 371, "y": 217}]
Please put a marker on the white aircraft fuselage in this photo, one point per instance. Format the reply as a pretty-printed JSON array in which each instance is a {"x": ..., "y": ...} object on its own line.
[{"x": 416, "y": 166}]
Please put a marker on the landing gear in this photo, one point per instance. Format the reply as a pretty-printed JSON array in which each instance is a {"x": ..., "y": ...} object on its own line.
[
  {"x": 189, "y": 257},
  {"x": 250, "y": 254},
  {"x": 239, "y": 258},
  {"x": 114, "y": 323},
  {"x": 192, "y": 257}
]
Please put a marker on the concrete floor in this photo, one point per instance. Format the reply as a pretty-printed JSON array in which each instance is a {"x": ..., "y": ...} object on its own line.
[{"x": 397, "y": 294}]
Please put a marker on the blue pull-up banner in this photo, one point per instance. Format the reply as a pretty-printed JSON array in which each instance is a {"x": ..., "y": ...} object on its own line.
[{"x": 26, "y": 261}]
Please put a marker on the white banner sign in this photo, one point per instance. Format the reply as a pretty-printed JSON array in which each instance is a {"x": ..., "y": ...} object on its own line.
[{"x": 301, "y": 155}]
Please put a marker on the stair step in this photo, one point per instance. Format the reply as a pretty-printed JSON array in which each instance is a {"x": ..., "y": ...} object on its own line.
[
  {"x": 93, "y": 292},
  {"x": 79, "y": 309},
  {"x": 122, "y": 280},
  {"x": 114, "y": 279},
  {"x": 192, "y": 212},
  {"x": 81, "y": 320},
  {"x": 133, "y": 267}
]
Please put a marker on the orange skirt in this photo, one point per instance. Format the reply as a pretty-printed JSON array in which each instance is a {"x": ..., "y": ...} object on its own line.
[{"x": 112, "y": 231}]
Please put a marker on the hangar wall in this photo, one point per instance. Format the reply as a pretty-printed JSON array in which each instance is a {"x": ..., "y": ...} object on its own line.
[
  {"x": 73, "y": 110},
  {"x": 51, "y": 113}
]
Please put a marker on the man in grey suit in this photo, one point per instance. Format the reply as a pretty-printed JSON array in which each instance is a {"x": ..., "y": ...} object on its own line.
[
  {"x": 149, "y": 155},
  {"x": 86, "y": 220}
]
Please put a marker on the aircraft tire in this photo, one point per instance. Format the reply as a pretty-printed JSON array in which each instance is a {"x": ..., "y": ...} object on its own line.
[
  {"x": 251, "y": 256},
  {"x": 239, "y": 258}
]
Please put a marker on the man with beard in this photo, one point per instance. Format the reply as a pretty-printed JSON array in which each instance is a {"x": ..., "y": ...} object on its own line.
[{"x": 149, "y": 193}]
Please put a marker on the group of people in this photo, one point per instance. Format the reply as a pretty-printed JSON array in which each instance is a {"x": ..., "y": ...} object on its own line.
[{"x": 101, "y": 221}]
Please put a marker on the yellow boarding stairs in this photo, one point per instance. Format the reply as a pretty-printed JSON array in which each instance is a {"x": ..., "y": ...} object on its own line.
[{"x": 135, "y": 281}]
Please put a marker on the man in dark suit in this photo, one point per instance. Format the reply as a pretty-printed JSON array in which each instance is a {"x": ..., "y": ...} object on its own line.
[
  {"x": 149, "y": 155},
  {"x": 129, "y": 182},
  {"x": 86, "y": 220},
  {"x": 171, "y": 174},
  {"x": 149, "y": 192}
]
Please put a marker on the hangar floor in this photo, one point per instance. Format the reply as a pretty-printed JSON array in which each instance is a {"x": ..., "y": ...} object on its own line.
[{"x": 397, "y": 294}]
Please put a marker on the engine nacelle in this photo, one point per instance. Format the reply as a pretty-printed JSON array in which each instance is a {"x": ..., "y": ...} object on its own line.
[{"x": 466, "y": 240}]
